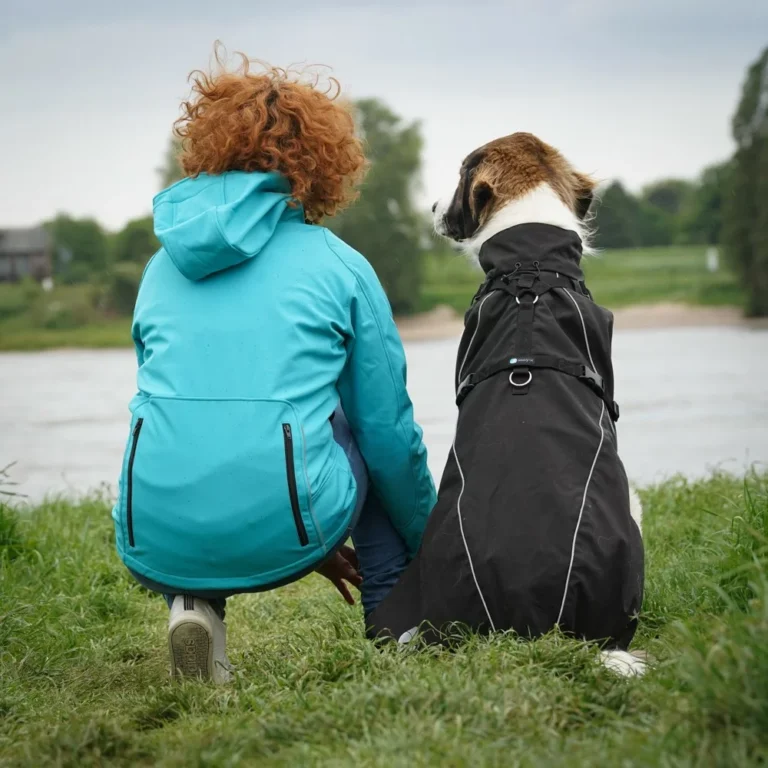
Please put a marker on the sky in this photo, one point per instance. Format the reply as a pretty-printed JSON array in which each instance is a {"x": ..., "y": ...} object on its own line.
[{"x": 89, "y": 89}]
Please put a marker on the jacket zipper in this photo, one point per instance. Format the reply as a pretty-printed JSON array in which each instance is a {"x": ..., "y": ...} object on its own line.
[
  {"x": 292, "y": 490},
  {"x": 129, "y": 492}
]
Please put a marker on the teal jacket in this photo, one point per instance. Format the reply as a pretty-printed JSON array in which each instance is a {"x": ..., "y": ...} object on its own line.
[{"x": 251, "y": 327}]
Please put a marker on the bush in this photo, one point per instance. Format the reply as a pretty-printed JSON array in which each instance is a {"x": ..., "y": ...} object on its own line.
[
  {"x": 123, "y": 287},
  {"x": 17, "y": 298},
  {"x": 31, "y": 290},
  {"x": 136, "y": 242},
  {"x": 76, "y": 273},
  {"x": 58, "y": 315},
  {"x": 12, "y": 301}
]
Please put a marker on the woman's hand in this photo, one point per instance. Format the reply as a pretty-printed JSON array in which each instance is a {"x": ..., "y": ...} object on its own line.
[{"x": 342, "y": 567}]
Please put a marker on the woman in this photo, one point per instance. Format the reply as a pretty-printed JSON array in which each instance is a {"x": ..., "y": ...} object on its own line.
[{"x": 272, "y": 418}]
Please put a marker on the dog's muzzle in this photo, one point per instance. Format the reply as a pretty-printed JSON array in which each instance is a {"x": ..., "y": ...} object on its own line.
[{"x": 438, "y": 218}]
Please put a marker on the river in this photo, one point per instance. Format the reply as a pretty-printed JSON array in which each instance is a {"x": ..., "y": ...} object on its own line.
[{"x": 692, "y": 399}]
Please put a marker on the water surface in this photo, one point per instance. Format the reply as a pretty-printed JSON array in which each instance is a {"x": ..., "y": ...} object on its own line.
[{"x": 692, "y": 399}]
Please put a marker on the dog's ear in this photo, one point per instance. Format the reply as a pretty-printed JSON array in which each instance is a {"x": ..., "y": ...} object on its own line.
[
  {"x": 461, "y": 218},
  {"x": 584, "y": 189},
  {"x": 482, "y": 194}
]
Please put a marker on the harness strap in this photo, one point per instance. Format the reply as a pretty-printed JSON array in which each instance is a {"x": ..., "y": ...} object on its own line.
[
  {"x": 526, "y": 297},
  {"x": 526, "y": 288},
  {"x": 522, "y": 365},
  {"x": 541, "y": 282}
]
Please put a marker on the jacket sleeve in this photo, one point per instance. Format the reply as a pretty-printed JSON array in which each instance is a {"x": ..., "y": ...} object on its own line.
[
  {"x": 135, "y": 328},
  {"x": 137, "y": 343},
  {"x": 375, "y": 401}
]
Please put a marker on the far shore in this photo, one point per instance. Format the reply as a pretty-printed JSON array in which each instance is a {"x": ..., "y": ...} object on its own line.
[{"x": 444, "y": 323}]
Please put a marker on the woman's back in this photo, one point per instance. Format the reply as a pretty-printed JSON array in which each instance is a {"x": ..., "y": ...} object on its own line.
[{"x": 246, "y": 325}]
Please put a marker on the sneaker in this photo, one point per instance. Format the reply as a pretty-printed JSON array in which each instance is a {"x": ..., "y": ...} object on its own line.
[{"x": 197, "y": 639}]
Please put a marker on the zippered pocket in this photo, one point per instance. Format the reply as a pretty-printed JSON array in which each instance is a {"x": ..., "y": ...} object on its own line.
[
  {"x": 129, "y": 490},
  {"x": 217, "y": 487},
  {"x": 293, "y": 492}
]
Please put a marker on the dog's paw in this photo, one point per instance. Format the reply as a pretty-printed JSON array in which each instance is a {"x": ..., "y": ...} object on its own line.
[{"x": 623, "y": 663}]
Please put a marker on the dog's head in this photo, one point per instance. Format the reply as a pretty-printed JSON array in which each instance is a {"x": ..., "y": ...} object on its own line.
[{"x": 513, "y": 180}]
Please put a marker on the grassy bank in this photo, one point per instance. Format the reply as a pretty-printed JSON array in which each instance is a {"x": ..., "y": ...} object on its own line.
[
  {"x": 616, "y": 278},
  {"x": 83, "y": 663},
  {"x": 67, "y": 316},
  {"x": 107, "y": 334}
]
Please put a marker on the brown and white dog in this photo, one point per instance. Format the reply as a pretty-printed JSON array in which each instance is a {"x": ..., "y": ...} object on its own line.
[
  {"x": 514, "y": 180},
  {"x": 517, "y": 179}
]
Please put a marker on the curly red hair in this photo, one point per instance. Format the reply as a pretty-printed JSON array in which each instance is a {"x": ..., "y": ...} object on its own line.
[{"x": 270, "y": 121}]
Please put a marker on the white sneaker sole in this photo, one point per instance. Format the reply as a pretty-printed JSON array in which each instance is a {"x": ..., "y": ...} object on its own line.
[{"x": 191, "y": 647}]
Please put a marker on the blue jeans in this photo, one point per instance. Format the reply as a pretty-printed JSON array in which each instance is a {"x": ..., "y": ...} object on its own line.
[{"x": 380, "y": 549}]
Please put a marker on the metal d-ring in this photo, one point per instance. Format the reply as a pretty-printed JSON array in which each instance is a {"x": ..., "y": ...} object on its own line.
[
  {"x": 536, "y": 298},
  {"x": 523, "y": 384}
]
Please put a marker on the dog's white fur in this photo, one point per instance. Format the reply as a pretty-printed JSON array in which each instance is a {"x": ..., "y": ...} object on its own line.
[
  {"x": 623, "y": 663},
  {"x": 541, "y": 205}
]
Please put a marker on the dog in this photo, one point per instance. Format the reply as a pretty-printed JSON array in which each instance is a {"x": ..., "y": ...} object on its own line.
[{"x": 535, "y": 526}]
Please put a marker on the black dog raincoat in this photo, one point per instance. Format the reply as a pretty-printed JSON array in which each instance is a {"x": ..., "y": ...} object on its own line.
[{"x": 532, "y": 526}]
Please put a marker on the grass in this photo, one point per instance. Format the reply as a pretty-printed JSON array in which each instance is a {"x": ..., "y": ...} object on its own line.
[
  {"x": 616, "y": 278},
  {"x": 107, "y": 334},
  {"x": 84, "y": 678},
  {"x": 67, "y": 318}
]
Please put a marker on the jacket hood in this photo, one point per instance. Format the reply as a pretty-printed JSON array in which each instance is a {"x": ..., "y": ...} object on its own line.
[{"x": 210, "y": 223}]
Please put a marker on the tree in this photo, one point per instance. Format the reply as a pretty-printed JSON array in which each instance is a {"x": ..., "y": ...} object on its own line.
[
  {"x": 661, "y": 203},
  {"x": 701, "y": 216},
  {"x": 171, "y": 171},
  {"x": 745, "y": 224},
  {"x": 666, "y": 212},
  {"x": 655, "y": 226},
  {"x": 122, "y": 287},
  {"x": 618, "y": 218},
  {"x": 384, "y": 224},
  {"x": 136, "y": 242},
  {"x": 668, "y": 195},
  {"x": 80, "y": 247}
]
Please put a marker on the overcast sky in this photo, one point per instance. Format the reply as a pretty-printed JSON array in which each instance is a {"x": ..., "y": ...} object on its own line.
[{"x": 632, "y": 90}]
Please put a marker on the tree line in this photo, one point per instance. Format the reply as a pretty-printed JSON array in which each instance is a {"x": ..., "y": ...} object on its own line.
[
  {"x": 727, "y": 205},
  {"x": 666, "y": 212}
]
